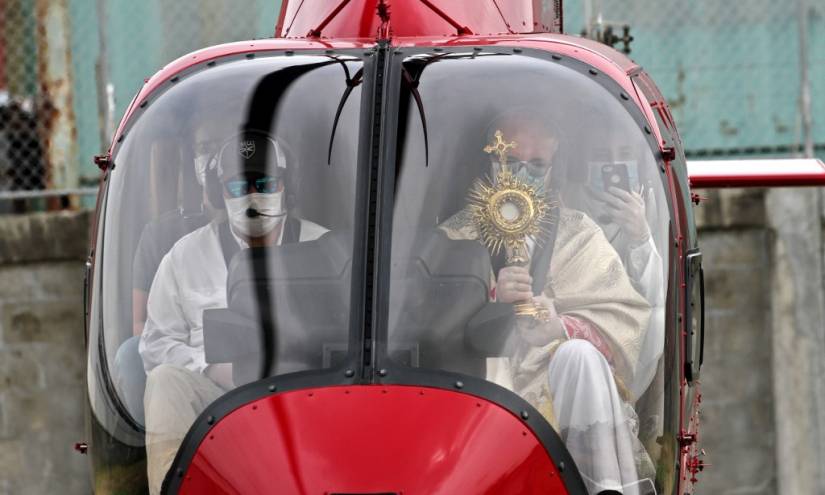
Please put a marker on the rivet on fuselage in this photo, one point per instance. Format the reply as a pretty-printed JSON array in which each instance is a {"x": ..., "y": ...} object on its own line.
[
  {"x": 525, "y": 415},
  {"x": 459, "y": 384},
  {"x": 349, "y": 373},
  {"x": 382, "y": 372},
  {"x": 210, "y": 420},
  {"x": 272, "y": 388}
]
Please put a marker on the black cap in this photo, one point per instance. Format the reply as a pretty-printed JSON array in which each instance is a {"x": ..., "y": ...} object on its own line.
[{"x": 251, "y": 151}]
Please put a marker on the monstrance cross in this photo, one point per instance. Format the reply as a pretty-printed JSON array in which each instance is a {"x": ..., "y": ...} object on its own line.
[{"x": 500, "y": 148}]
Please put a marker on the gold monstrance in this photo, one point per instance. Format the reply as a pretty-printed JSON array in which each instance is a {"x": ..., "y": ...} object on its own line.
[{"x": 506, "y": 210}]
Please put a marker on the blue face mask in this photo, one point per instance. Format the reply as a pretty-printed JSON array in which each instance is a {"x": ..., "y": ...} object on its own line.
[{"x": 531, "y": 172}]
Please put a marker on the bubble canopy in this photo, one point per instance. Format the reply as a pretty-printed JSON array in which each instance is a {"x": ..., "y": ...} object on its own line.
[{"x": 212, "y": 277}]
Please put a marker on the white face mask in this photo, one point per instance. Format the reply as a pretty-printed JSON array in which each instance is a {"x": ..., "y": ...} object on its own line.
[
  {"x": 270, "y": 208},
  {"x": 201, "y": 162}
]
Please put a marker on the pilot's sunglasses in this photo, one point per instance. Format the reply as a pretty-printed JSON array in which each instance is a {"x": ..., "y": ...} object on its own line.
[{"x": 240, "y": 187}]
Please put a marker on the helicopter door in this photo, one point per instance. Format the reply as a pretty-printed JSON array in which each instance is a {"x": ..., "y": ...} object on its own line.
[{"x": 694, "y": 315}]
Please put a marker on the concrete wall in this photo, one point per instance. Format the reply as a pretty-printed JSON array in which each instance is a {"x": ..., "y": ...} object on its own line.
[
  {"x": 42, "y": 361},
  {"x": 763, "y": 380}
]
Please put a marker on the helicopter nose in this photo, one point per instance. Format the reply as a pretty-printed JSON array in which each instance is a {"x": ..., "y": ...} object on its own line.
[{"x": 368, "y": 440}]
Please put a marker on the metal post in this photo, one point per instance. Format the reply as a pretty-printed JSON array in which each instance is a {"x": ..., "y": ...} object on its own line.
[
  {"x": 588, "y": 18},
  {"x": 56, "y": 108},
  {"x": 105, "y": 89},
  {"x": 594, "y": 19},
  {"x": 4, "y": 16},
  {"x": 804, "y": 80}
]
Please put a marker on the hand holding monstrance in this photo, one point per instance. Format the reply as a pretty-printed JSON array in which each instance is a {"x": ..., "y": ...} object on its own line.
[{"x": 507, "y": 210}]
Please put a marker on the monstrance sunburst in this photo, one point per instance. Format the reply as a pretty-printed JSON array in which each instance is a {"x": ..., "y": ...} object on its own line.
[{"x": 506, "y": 211}]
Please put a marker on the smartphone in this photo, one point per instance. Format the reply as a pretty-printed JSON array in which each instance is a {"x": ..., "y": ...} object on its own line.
[
  {"x": 615, "y": 175},
  {"x": 603, "y": 175}
]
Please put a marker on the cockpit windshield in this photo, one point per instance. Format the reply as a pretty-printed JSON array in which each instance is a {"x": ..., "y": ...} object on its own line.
[
  {"x": 529, "y": 249},
  {"x": 528, "y": 240}
]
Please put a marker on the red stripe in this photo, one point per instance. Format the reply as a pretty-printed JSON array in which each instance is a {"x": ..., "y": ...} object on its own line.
[{"x": 577, "y": 328}]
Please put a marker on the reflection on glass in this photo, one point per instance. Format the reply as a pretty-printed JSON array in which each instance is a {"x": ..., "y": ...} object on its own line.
[{"x": 589, "y": 363}]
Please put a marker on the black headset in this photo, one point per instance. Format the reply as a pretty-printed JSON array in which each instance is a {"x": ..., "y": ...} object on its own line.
[{"x": 214, "y": 187}]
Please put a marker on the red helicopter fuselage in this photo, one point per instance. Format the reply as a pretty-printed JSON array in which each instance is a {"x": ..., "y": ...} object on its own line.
[{"x": 372, "y": 428}]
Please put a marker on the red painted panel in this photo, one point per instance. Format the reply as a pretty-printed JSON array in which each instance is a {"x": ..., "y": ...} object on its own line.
[
  {"x": 357, "y": 19},
  {"x": 521, "y": 17},
  {"x": 756, "y": 173},
  {"x": 371, "y": 439}
]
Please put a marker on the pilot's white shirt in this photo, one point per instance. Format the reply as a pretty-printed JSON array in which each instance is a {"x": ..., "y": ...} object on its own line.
[{"x": 190, "y": 278}]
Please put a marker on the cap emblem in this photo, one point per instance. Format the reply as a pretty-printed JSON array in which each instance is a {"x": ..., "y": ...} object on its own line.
[{"x": 247, "y": 149}]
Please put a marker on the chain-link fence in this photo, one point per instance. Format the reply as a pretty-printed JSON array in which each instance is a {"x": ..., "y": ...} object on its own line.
[
  {"x": 736, "y": 73},
  {"x": 69, "y": 68},
  {"x": 743, "y": 78}
]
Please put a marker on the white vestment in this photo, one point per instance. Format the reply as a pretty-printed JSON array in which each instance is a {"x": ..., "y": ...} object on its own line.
[
  {"x": 570, "y": 381},
  {"x": 190, "y": 279}
]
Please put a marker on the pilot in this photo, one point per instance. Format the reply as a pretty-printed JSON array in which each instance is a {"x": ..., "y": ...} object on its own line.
[
  {"x": 249, "y": 177},
  {"x": 572, "y": 364}
]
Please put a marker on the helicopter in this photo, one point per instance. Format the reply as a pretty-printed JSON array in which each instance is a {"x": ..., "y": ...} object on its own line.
[{"x": 298, "y": 280}]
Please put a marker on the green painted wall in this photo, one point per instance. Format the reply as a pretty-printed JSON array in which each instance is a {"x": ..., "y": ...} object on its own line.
[
  {"x": 731, "y": 70},
  {"x": 138, "y": 38}
]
